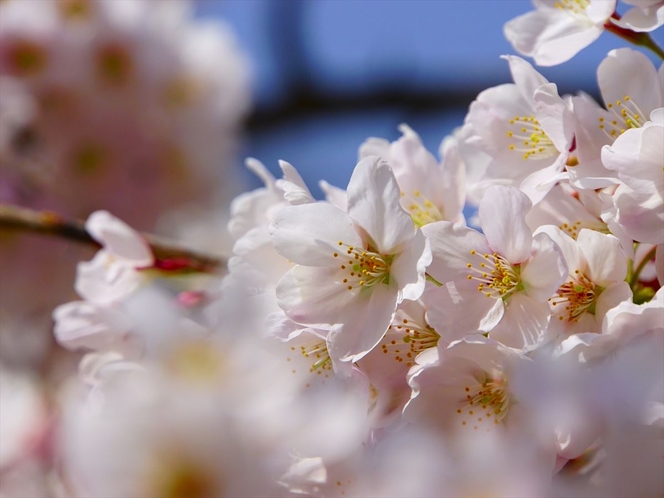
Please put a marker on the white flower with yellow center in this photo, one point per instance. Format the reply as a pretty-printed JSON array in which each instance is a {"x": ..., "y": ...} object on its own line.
[
  {"x": 526, "y": 128},
  {"x": 386, "y": 366},
  {"x": 430, "y": 191},
  {"x": 469, "y": 388},
  {"x": 631, "y": 89},
  {"x": 558, "y": 29},
  {"x": 596, "y": 281},
  {"x": 351, "y": 268},
  {"x": 498, "y": 281},
  {"x": 569, "y": 209}
]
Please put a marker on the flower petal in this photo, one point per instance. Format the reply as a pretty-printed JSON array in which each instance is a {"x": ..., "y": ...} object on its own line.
[
  {"x": 626, "y": 72},
  {"x": 408, "y": 268},
  {"x": 309, "y": 234},
  {"x": 374, "y": 204},
  {"x": 119, "y": 239},
  {"x": 312, "y": 295},
  {"x": 502, "y": 216},
  {"x": 524, "y": 322},
  {"x": 606, "y": 261},
  {"x": 526, "y": 78},
  {"x": 365, "y": 324},
  {"x": 451, "y": 245},
  {"x": 551, "y": 37},
  {"x": 546, "y": 270}
]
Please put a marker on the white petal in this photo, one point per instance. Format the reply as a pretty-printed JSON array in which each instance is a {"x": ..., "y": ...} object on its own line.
[
  {"x": 606, "y": 261},
  {"x": 640, "y": 215},
  {"x": 259, "y": 169},
  {"x": 568, "y": 246},
  {"x": 103, "y": 279},
  {"x": 526, "y": 78},
  {"x": 545, "y": 271},
  {"x": 641, "y": 20},
  {"x": 334, "y": 195},
  {"x": 490, "y": 114},
  {"x": 85, "y": 325},
  {"x": 502, "y": 215},
  {"x": 374, "y": 147},
  {"x": 626, "y": 72},
  {"x": 612, "y": 296},
  {"x": 539, "y": 183},
  {"x": 119, "y": 239},
  {"x": 524, "y": 322},
  {"x": 295, "y": 190},
  {"x": 637, "y": 155},
  {"x": 458, "y": 309},
  {"x": 309, "y": 234},
  {"x": 555, "y": 116},
  {"x": 551, "y": 37},
  {"x": 451, "y": 247},
  {"x": 360, "y": 331},
  {"x": 374, "y": 203},
  {"x": 408, "y": 268},
  {"x": 313, "y": 295}
]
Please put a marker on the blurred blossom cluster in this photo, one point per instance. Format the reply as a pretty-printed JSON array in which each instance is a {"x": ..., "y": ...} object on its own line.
[
  {"x": 375, "y": 344},
  {"x": 131, "y": 106}
]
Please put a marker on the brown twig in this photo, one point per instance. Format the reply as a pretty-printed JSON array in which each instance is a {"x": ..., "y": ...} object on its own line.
[{"x": 21, "y": 219}]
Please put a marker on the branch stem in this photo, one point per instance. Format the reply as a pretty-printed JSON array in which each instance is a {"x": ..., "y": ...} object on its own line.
[{"x": 20, "y": 219}]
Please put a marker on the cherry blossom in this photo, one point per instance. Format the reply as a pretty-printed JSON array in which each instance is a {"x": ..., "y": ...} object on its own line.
[
  {"x": 526, "y": 128},
  {"x": 558, "y": 29},
  {"x": 503, "y": 277},
  {"x": 414, "y": 167},
  {"x": 631, "y": 89},
  {"x": 353, "y": 271},
  {"x": 595, "y": 284}
]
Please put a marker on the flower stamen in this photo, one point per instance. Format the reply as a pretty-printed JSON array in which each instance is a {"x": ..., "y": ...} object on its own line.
[
  {"x": 485, "y": 401},
  {"x": 529, "y": 138},
  {"x": 496, "y": 276},
  {"x": 363, "y": 267},
  {"x": 406, "y": 339},
  {"x": 578, "y": 296},
  {"x": 420, "y": 208}
]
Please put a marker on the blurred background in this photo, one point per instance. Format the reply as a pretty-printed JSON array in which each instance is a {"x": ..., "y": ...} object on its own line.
[{"x": 330, "y": 73}]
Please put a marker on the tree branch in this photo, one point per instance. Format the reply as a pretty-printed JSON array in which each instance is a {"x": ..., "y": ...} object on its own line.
[{"x": 21, "y": 219}]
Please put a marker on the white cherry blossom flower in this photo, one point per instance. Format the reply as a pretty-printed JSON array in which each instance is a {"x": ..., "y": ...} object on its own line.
[
  {"x": 622, "y": 325},
  {"x": 502, "y": 278},
  {"x": 526, "y": 128},
  {"x": 469, "y": 389},
  {"x": 565, "y": 208},
  {"x": 113, "y": 273},
  {"x": 558, "y": 29},
  {"x": 595, "y": 284},
  {"x": 96, "y": 327},
  {"x": 352, "y": 270},
  {"x": 386, "y": 366},
  {"x": 430, "y": 191},
  {"x": 631, "y": 89}
]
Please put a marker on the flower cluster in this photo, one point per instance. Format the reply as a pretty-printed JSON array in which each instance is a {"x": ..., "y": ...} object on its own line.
[{"x": 377, "y": 343}]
